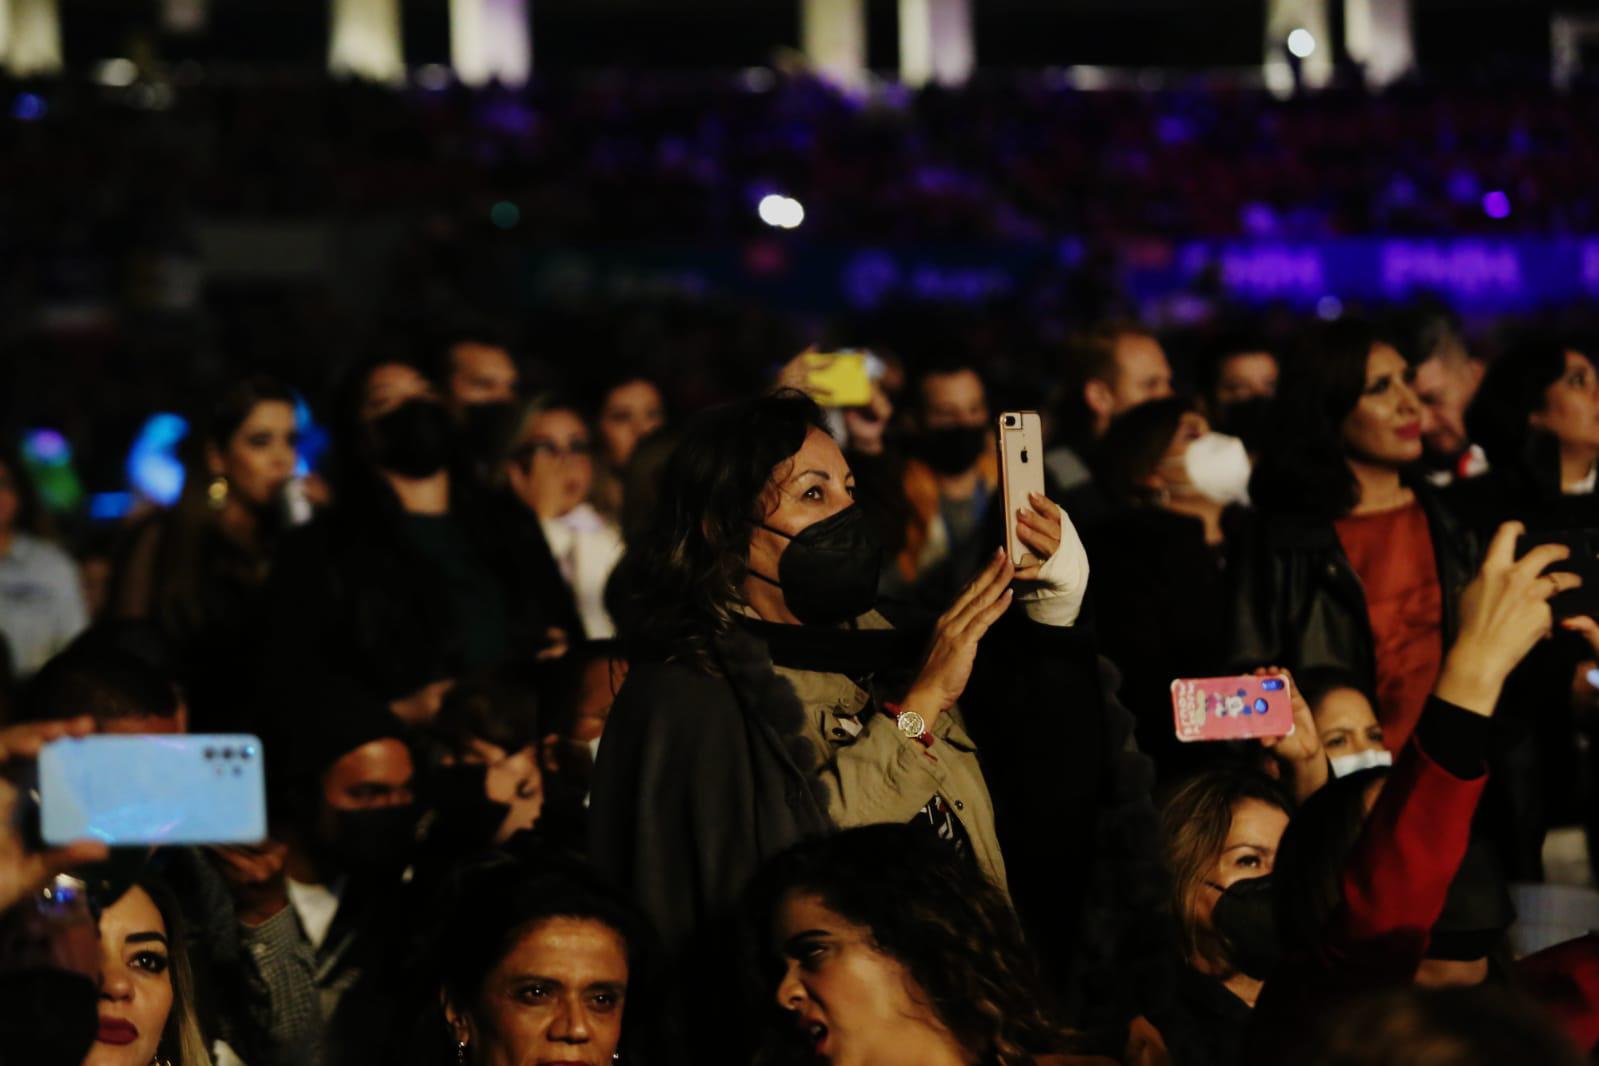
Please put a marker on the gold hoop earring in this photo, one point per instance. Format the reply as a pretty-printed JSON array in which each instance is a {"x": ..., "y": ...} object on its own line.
[{"x": 216, "y": 493}]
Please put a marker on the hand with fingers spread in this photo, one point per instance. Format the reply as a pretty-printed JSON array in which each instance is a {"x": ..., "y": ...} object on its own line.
[
  {"x": 1504, "y": 612},
  {"x": 23, "y": 871},
  {"x": 948, "y": 665},
  {"x": 1053, "y": 587}
]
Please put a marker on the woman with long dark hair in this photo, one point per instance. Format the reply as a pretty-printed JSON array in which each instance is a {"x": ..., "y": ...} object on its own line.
[
  {"x": 197, "y": 570},
  {"x": 1353, "y": 563},
  {"x": 881, "y": 946},
  {"x": 768, "y": 701}
]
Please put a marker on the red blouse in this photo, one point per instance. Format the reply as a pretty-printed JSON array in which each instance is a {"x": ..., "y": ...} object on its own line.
[{"x": 1392, "y": 553}]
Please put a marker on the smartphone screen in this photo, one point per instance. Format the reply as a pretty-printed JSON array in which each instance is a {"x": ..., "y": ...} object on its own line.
[
  {"x": 839, "y": 379},
  {"x": 1232, "y": 708},
  {"x": 202, "y": 789},
  {"x": 1021, "y": 472}
]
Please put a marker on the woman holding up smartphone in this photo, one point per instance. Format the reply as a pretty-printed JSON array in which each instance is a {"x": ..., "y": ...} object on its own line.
[{"x": 768, "y": 700}]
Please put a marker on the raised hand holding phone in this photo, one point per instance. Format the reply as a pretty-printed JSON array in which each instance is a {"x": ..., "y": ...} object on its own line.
[{"x": 1504, "y": 612}]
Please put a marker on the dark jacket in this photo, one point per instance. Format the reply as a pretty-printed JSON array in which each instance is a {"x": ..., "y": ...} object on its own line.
[
  {"x": 1298, "y": 603},
  {"x": 350, "y": 595},
  {"x": 701, "y": 778},
  {"x": 1158, "y": 591}
]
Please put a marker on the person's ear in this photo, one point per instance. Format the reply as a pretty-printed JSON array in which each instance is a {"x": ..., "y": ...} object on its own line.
[
  {"x": 520, "y": 477},
  {"x": 1538, "y": 420},
  {"x": 1099, "y": 398},
  {"x": 213, "y": 460},
  {"x": 550, "y": 753},
  {"x": 460, "y": 1025}
]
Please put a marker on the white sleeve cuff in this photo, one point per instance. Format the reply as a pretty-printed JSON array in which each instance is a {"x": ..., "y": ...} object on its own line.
[{"x": 1056, "y": 597}]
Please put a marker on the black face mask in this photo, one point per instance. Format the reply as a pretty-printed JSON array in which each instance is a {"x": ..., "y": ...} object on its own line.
[
  {"x": 829, "y": 572},
  {"x": 466, "y": 814},
  {"x": 413, "y": 440},
  {"x": 1246, "y": 920},
  {"x": 952, "y": 450},
  {"x": 485, "y": 431},
  {"x": 1248, "y": 420},
  {"x": 374, "y": 843}
]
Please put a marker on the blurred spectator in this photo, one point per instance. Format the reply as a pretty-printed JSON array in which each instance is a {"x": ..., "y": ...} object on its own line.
[
  {"x": 1111, "y": 368},
  {"x": 482, "y": 775},
  {"x": 1345, "y": 720},
  {"x": 950, "y": 484},
  {"x": 41, "y": 600},
  {"x": 550, "y": 468},
  {"x": 319, "y": 905},
  {"x": 1353, "y": 563},
  {"x": 629, "y": 411},
  {"x": 197, "y": 570},
  {"x": 405, "y": 582},
  {"x": 1448, "y": 375},
  {"x": 1158, "y": 560},
  {"x": 1447, "y": 1026},
  {"x": 1221, "y": 832},
  {"x": 1237, "y": 381}
]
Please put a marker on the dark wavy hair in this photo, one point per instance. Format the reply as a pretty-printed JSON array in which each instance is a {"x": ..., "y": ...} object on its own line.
[
  {"x": 1309, "y": 871},
  {"x": 1303, "y": 468},
  {"x": 1134, "y": 446},
  {"x": 1512, "y": 389},
  {"x": 679, "y": 584},
  {"x": 1195, "y": 820},
  {"x": 933, "y": 911}
]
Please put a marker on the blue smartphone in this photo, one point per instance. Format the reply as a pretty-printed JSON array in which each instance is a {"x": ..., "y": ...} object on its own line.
[{"x": 201, "y": 789}]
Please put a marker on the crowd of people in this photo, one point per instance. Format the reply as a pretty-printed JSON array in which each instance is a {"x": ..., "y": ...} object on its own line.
[
  {"x": 602, "y": 730},
  {"x": 1009, "y": 158}
]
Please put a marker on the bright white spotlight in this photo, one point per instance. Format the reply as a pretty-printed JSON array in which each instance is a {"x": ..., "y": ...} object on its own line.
[
  {"x": 1302, "y": 43},
  {"x": 781, "y": 212},
  {"x": 117, "y": 73}
]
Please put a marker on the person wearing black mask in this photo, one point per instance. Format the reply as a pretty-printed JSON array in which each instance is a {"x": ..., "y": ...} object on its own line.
[
  {"x": 1221, "y": 831},
  {"x": 950, "y": 481},
  {"x": 407, "y": 582},
  {"x": 766, "y": 699},
  {"x": 477, "y": 379},
  {"x": 328, "y": 889}
]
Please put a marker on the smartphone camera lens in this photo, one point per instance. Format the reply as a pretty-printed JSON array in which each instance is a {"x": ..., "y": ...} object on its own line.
[
  {"x": 210, "y": 753},
  {"x": 1010, "y": 420},
  {"x": 227, "y": 753},
  {"x": 1260, "y": 706},
  {"x": 1272, "y": 685},
  {"x": 247, "y": 753}
]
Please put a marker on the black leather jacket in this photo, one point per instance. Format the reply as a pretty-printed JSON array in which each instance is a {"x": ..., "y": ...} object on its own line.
[{"x": 1298, "y": 603}]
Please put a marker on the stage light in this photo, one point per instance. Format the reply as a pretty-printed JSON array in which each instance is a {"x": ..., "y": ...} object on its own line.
[
  {"x": 1302, "y": 43},
  {"x": 781, "y": 212},
  {"x": 28, "y": 107},
  {"x": 1496, "y": 204},
  {"x": 505, "y": 214},
  {"x": 117, "y": 73},
  {"x": 154, "y": 468}
]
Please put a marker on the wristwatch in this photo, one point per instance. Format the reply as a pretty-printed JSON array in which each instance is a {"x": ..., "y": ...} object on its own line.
[{"x": 912, "y": 724}]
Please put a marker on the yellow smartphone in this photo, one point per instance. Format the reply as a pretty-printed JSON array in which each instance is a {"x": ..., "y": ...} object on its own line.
[{"x": 838, "y": 379}]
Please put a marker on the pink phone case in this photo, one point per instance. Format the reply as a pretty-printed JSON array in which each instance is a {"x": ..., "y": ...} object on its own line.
[{"x": 1232, "y": 708}]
